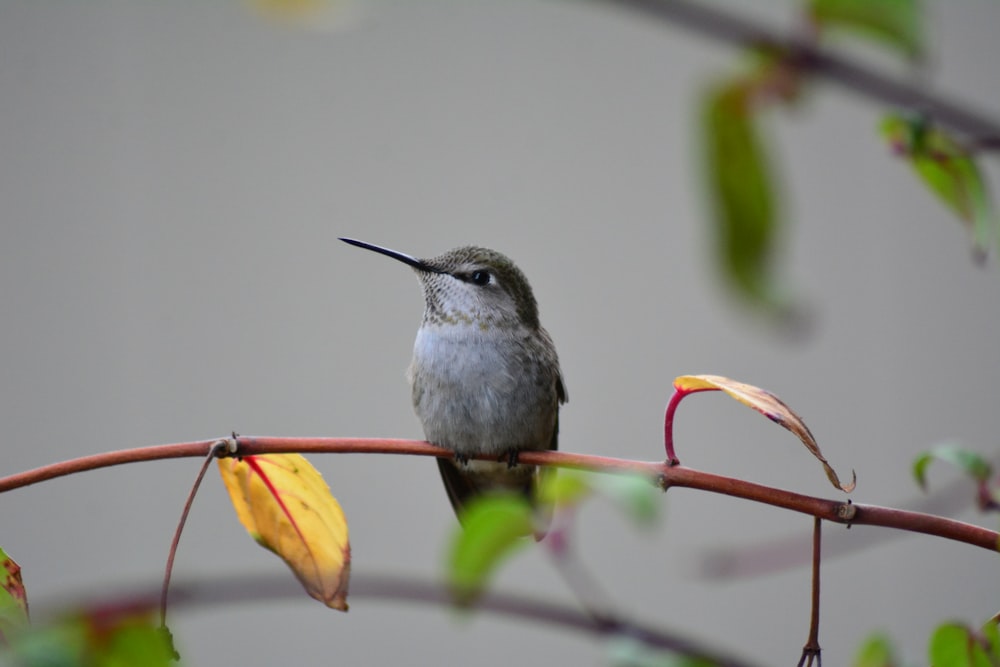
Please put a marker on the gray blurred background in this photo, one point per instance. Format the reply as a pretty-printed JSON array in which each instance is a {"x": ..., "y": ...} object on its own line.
[{"x": 174, "y": 177}]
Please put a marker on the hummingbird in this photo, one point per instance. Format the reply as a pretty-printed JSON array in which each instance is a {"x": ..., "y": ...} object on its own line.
[{"x": 485, "y": 375}]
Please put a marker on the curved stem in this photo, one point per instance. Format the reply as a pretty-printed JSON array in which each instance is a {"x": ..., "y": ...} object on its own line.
[
  {"x": 660, "y": 473},
  {"x": 668, "y": 419},
  {"x": 215, "y": 450},
  {"x": 668, "y": 428}
]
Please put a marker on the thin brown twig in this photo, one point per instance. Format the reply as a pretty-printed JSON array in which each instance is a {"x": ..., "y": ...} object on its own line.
[
  {"x": 812, "y": 649},
  {"x": 663, "y": 475},
  {"x": 215, "y": 450},
  {"x": 589, "y": 594}
]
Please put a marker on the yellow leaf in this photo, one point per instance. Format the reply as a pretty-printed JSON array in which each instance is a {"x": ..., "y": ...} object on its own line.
[
  {"x": 283, "y": 502},
  {"x": 768, "y": 405},
  {"x": 313, "y": 14}
]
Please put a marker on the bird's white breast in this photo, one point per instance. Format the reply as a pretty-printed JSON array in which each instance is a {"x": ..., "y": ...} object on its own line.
[{"x": 481, "y": 391}]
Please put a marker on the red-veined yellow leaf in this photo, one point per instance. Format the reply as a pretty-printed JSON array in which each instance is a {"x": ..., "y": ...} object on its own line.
[{"x": 283, "y": 502}]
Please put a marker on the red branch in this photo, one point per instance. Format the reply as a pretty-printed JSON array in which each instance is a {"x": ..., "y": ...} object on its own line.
[{"x": 662, "y": 474}]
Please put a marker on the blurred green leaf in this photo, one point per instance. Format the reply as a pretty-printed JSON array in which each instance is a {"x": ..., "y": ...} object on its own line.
[
  {"x": 992, "y": 636},
  {"x": 13, "y": 599},
  {"x": 635, "y": 494},
  {"x": 569, "y": 487},
  {"x": 116, "y": 638},
  {"x": 894, "y": 23},
  {"x": 639, "y": 498},
  {"x": 58, "y": 645},
  {"x": 876, "y": 651},
  {"x": 493, "y": 527},
  {"x": 971, "y": 463},
  {"x": 740, "y": 189},
  {"x": 952, "y": 645},
  {"x": 630, "y": 652},
  {"x": 134, "y": 641},
  {"x": 948, "y": 169}
]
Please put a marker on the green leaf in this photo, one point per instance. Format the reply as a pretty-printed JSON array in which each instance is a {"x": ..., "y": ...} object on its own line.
[
  {"x": 58, "y": 645},
  {"x": 952, "y": 645},
  {"x": 13, "y": 599},
  {"x": 634, "y": 494},
  {"x": 134, "y": 641},
  {"x": 740, "y": 189},
  {"x": 567, "y": 488},
  {"x": 876, "y": 651},
  {"x": 991, "y": 634},
  {"x": 629, "y": 652},
  {"x": 974, "y": 465},
  {"x": 893, "y": 23},
  {"x": 493, "y": 527},
  {"x": 948, "y": 170},
  {"x": 98, "y": 638}
]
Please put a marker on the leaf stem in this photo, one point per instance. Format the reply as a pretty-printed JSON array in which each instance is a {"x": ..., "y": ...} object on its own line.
[
  {"x": 215, "y": 450},
  {"x": 668, "y": 427}
]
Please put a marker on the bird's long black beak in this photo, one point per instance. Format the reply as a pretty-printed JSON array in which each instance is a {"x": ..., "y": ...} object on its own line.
[{"x": 418, "y": 264}]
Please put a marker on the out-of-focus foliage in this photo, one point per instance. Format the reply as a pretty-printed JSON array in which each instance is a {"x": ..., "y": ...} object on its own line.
[
  {"x": 897, "y": 24},
  {"x": 948, "y": 170}
]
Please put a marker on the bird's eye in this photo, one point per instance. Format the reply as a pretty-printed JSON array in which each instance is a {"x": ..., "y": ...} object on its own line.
[{"x": 480, "y": 277}]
